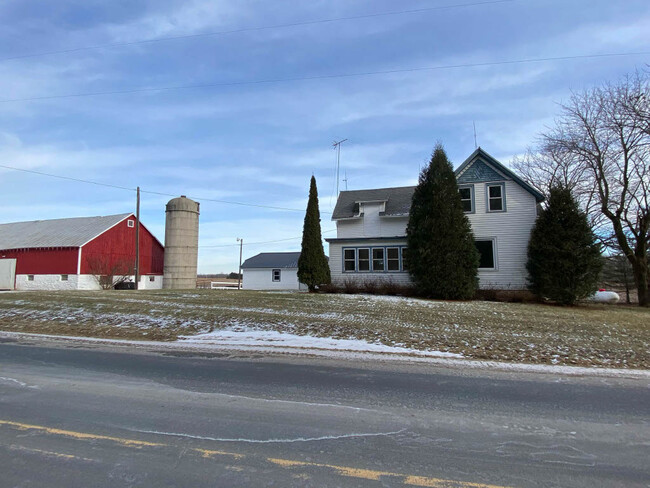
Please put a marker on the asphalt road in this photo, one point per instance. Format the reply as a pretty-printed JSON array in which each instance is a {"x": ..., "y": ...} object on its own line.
[{"x": 75, "y": 415}]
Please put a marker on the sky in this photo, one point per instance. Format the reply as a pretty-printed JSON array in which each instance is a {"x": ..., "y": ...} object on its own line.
[{"x": 347, "y": 71}]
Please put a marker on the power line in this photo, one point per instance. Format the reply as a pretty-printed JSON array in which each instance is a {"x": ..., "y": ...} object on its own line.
[
  {"x": 264, "y": 242},
  {"x": 331, "y": 76},
  {"x": 258, "y": 28},
  {"x": 201, "y": 199}
]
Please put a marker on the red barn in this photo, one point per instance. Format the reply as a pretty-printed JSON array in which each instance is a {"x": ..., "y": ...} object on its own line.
[{"x": 72, "y": 254}]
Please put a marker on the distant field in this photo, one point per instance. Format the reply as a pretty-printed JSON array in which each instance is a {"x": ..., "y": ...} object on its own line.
[{"x": 613, "y": 336}]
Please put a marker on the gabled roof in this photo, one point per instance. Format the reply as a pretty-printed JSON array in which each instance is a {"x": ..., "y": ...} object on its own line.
[
  {"x": 273, "y": 260},
  {"x": 480, "y": 154},
  {"x": 398, "y": 199},
  {"x": 73, "y": 232}
]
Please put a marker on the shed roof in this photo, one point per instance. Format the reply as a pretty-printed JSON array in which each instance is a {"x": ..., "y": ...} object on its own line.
[
  {"x": 272, "y": 260},
  {"x": 73, "y": 232}
]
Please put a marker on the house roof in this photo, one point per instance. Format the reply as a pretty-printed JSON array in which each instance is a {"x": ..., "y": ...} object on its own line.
[
  {"x": 273, "y": 260},
  {"x": 73, "y": 232},
  {"x": 398, "y": 200}
]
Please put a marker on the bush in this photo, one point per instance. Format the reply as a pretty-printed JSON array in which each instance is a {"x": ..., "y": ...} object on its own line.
[
  {"x": 564, "y": 260},
  {"x": 443, "y": 259}
]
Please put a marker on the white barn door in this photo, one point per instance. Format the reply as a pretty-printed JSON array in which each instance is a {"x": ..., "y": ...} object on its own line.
[{"x": 7, "y": 274}]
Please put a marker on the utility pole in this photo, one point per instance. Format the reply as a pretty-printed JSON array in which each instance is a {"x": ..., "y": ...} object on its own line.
[
  {"x": 137, "y": 240},
  {"x": 337, "y": 146},
  {"x": 241, "y": 246}
]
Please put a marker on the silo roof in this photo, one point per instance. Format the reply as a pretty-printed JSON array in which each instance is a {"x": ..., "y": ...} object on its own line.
[{"x": 73, "y": 232}]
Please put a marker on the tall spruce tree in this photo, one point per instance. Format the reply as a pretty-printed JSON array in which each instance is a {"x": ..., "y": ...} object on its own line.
[
  {"x": 564, "y": 259},
  {"x": 442, "y": 257},
  {"x": 313, "y": 269}
]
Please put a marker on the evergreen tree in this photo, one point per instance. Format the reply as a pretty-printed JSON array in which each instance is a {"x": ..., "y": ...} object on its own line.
[
  {"x": 313, "y": 269},
  {"x": 564, "y": 260},
  {"x": 442, "y": 258}
]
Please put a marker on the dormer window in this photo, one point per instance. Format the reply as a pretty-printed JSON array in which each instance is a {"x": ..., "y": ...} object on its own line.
[{"x": 496, "y": 198}]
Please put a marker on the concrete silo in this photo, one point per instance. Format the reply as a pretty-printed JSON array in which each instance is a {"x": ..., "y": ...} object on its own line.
[{"x": 181, "y": 243}]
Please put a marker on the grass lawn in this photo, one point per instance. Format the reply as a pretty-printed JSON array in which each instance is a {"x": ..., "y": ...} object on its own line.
[{"x": 600, "y": 335}]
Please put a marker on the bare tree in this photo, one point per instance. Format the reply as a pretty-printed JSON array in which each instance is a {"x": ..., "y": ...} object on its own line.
[
  {"x": 604, "y": 135},
  {"x": 109, "y": 272}
]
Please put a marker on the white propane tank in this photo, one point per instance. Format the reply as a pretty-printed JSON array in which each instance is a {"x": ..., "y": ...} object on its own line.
[{"x": 604, "y": 296}]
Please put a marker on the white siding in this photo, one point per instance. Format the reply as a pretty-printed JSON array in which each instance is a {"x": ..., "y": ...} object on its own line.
[
  {"x": 510, "y": 230},
  {"x": 372, "y": 224},
  {"x": 262, "y": 279}
]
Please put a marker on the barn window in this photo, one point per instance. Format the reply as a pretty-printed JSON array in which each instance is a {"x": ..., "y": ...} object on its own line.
[
  {"x": 130, "y": 223},
  {"x": 30, "y": 277},
  {"x": 64, "y": 277},
  {"x": 276, "y": 275},
  {"x": 152, "y": 278}
]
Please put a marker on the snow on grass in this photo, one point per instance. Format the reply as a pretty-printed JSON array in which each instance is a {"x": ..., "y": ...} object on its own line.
[
  {"x": 589, "y": 335},
  {"x": 243, "y": 336}
]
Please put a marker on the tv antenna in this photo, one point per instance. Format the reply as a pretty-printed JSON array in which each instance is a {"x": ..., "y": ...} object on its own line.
[
  {"x": 475, "y": 143},
  {"x": 345, "y": 178},
  {"x": 337, "y": 147}
]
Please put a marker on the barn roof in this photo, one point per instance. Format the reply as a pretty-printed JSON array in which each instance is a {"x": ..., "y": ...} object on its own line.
[
  {"x": 272, "y": 260},
  {"x": 73, "y": 232}
]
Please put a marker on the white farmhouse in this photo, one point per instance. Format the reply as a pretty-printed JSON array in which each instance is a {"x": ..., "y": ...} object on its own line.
[
  {"x": 371, "y": 227},
  {"x": 272, "y": 271}
]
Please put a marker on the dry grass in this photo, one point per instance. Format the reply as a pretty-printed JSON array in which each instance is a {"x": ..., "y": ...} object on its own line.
[{"x": 598, "y": 335}]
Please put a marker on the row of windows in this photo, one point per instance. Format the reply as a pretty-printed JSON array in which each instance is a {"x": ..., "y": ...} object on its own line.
[
  {"x": 64, "y": 277},
  {"x": 374, "y": 259},
  {"x": 495, "y": 197},
  {"x": 392, "y": 259}
]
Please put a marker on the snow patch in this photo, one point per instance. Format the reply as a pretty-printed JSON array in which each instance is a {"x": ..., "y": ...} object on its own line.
[{"x": 242, "y": 336}]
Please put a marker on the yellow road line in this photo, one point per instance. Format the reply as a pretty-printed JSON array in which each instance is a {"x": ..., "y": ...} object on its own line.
[
  {"x": 81, "y": 435},
  {"x": 207, "y": 453},
  {"x": 59, "y": 455},
  {"x": 348, "y": 471},
  {"x": 369, "y": 474}
]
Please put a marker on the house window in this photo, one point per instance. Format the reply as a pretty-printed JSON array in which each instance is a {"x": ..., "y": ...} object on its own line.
[
  {"x": 364, "y": 259},
  {"x": 378, "y": 259},
  {"x": 467, "y": 198},
  {"x": 392, "y": 258},
  {"x": 486, "y": 252},
  {"x": 30, "y": 277},
  {"x": 64, "y": 277},
  {"x": 405, "y": 265},
  {"x": 130, "y": 223},
  {"x": 276, "y": 275},
  {"x": 496, "y": 198},
  {"x": 350, "y": 260}
]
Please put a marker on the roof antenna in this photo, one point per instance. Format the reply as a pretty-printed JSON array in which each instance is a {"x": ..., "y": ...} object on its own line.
[
  {"x": 475, "y": 143},
  {"x": 346, "y": 180},
  {"x": 337, "y": 146}
]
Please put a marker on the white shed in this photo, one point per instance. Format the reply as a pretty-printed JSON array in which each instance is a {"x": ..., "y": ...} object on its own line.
[{"x": 272, "y": 271}]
